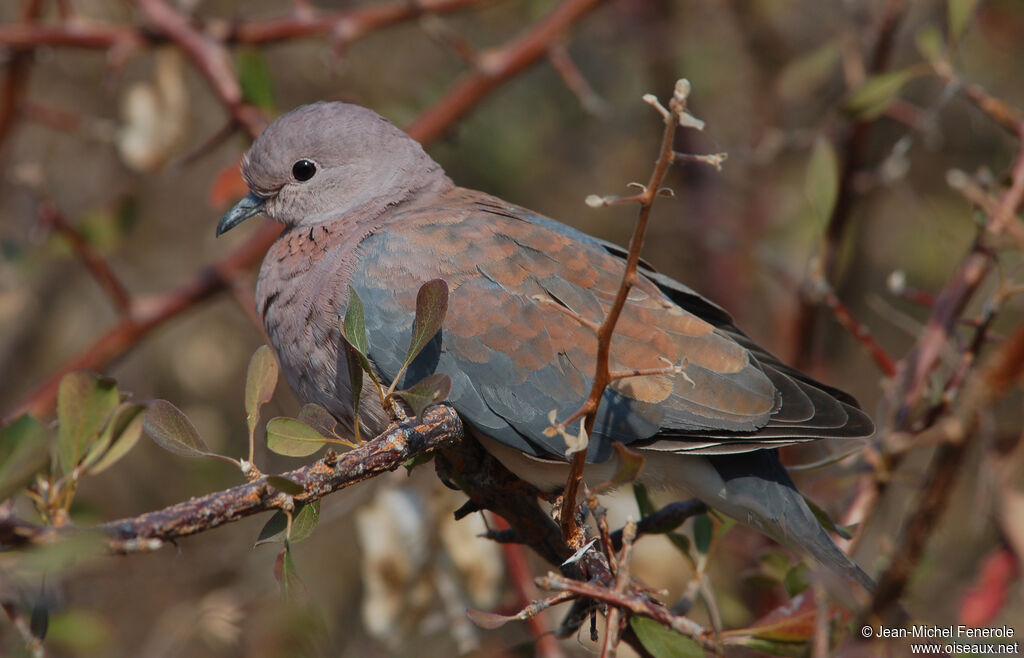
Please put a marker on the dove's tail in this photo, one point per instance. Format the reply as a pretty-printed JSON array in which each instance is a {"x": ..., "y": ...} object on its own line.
[{"x": 755, "y": 489}]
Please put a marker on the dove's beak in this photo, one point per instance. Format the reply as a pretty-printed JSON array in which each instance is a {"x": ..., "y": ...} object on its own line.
[{"x": 243, "y": 210}]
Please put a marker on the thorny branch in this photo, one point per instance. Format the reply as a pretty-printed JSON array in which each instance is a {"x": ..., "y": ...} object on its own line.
[{"x": 674, "y": 116}]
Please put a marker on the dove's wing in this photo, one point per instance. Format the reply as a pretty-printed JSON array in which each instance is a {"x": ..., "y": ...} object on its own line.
[{"x": 515, "y": 352}]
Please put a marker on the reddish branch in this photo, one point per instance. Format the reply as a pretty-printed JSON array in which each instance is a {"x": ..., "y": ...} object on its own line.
[
  {"x": 950, "y": 303},
  {"x": 497, "y": 66},
  {"x": 98, "y": 268},
  {"x": 1004, "y": 368},
  {"x": 212, "y": 59},
  {"x": 17, "y": 72},
  {"x": 804, "y": 332},
  {"x": 602, "y": 375},
  {"x": 349, "y": 24}
]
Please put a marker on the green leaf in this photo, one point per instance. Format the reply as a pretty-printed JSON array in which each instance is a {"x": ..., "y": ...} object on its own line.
[
  {"x": 428, "y": 391},
  {"x": 822, "y": 180},
  {"x": 64, "y": 555},
  {"x": 293, "y": 438},
  {"x": 872, "y": 98},
  {"x": 119, "y": 436},
  {"x": 24, "y": 451},
  {"x": 959, "y": 15},
  {"x": 83, "y": 632},
  {"x": 285, "y": 485},
  {"x": 681, "y": 542},
  {"x": 431, "y": 307},
  {"x": 930, "y": 43},
  {"x": 260, "y": 381},
  {"x": 293, "y": 590},
  {"x": 354, "y": 326},
  {"x": 39, "y": 621},
  {"x": 172, "y": 430},
  {"x": 826, "y": 521},
  {"x": 318, "y": 418},
  {"x": 775, "y": 647},
  {"x": 643, "y": 499},
  {"x": 84, "y": 403},
  {"x": 273, "y": 530},
  {"x": 796, "y": 579},
  {"x": 254, "y": 78},
  {"x": 630, "y": 465},
  {"x": 304, "y": 521},
  {"x": 353, "y": 332},
  {"x": 702, "y": 532},
  {"x": 663, "y": 642},
  {"x": 805, "y": 75},
  {"x": 413, "y": 462}
]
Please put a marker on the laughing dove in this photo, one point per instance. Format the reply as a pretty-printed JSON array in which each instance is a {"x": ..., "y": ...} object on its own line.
[{"x": 364, "y": 206}]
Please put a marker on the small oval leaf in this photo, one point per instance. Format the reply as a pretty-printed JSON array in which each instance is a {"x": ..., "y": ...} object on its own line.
[
  {"x": 630, "y": 465},
  {"x": 488, "y": 620},
  {"x": 305, "y": 519},
  {"x": 702, "y": 532},
  {"x": 431, "y": 307},
  {"x": 260, "y": 381},
  {"x": 318, "y": 418},
  {"x": 285, "y": 485},
  {"x": 354, "y": 326},
  {"x": 293, "y": 438},
  {"x": 172, "y": 430},
  {"x": 84, "y": 403},
  {"x": 119, "y": 436},
  {"x": 959, "y": 15},
  {"x": 826, "y": 521},
  {"x": 663, "y": 642},
  {"x": 355, "y": 362},
  {"x": 24, "y": 451},
  {"x": 821, "y": 181},
  {"x": 273, "y": 529},
  {"x": 428, "y": 391},
  {"x": 293, "y": 590},
  {"x": 873, "y": 97}
]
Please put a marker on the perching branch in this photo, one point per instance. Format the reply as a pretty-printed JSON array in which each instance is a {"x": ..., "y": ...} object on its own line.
[{"x": 439, "y": 427}]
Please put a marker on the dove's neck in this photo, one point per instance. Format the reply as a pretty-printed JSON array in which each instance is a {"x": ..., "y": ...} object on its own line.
[{"x": 363, "y": 192}]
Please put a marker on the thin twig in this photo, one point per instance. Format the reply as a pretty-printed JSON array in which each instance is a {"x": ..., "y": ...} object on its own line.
[
  {"x": 588, "y": 410},
  {"x": 496, "y": 65},
  {"x": 1002, "y": 369},
  {"x": 638, "y": 605}
]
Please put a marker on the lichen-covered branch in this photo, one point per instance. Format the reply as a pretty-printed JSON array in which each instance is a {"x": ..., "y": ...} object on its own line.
[{"x": 439, "y": 427}]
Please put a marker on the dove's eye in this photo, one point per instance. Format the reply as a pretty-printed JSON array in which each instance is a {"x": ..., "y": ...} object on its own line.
[{"x": 303, "y": 170}]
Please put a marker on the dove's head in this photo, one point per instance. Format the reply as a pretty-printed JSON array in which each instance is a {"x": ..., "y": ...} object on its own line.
[{"x": 326, "y": 161}]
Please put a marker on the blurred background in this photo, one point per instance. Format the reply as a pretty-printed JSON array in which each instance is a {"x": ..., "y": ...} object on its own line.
[{"x": 121, "y": 143}]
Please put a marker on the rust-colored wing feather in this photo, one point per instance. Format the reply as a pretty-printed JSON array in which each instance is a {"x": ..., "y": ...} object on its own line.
[{"x": 515, "y": 351}]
